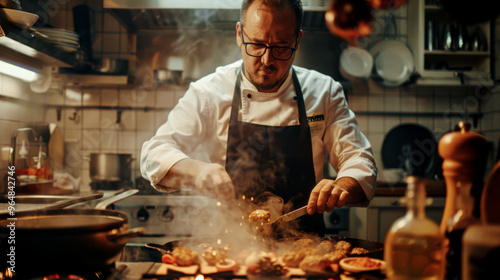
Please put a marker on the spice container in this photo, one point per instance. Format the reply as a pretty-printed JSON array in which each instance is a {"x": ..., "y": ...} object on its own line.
[{"x": 464, "y": 156}]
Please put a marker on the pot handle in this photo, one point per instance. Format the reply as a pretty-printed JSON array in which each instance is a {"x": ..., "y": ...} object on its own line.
[
  {"x": 116, "y": 236},
  {"x": 105, "y": 203}
]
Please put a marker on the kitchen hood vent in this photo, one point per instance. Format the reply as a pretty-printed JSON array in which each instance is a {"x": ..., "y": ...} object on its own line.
[
  {"x": 138, "y": 15},
  {"x": 308, "y": 5}
]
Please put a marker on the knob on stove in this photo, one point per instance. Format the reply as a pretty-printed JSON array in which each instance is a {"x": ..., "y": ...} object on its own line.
[
  {"x": 167, "y": 215},
  {"x": 142, "y": 215}
]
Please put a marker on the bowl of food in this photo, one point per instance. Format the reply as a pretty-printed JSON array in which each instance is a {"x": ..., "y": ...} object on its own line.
[{"x": 361, "y": 264}]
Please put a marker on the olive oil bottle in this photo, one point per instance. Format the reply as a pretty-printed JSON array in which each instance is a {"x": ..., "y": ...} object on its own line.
[{"x": 414, "y": 246}]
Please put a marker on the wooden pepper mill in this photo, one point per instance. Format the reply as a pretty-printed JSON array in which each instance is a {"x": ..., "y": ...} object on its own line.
[{"x": 464, "y": 156}]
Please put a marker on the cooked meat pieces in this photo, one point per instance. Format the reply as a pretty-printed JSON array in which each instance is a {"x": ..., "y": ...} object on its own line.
[
  {"x": 302, "y": 243},
  {"x": 293, "y": 258},
  {"x": 335, "y": 257},
  {"x": 213, "y": 255},
  {"x": 343, "y": 246},
  {"x": 184, "y": 257},
  {"x": 260, "y": 216},
  {"x": 325, "y": 247},
  {"x": 314, "y": 263},
  {"x": 359, "y": 251}
]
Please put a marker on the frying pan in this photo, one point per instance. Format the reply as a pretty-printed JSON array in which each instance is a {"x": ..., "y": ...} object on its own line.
[
  {"x": 375, "y": 249},
  {"x": 60, "y": 241},
  {"x": 411, "y": 147}
]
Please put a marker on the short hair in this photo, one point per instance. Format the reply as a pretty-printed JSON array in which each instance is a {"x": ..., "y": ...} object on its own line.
[{"x": 295, "y": 5}]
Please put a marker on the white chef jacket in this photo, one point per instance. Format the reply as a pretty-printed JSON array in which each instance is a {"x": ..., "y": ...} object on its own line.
[{"x": 197, "y": 127}]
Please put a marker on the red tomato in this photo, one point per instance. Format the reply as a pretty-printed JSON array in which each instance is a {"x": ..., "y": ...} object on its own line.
[{"x": 168, "y": 259}]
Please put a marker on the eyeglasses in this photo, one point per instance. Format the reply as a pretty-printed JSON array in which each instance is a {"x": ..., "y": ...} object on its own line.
[{"x": 258, "y": 50}]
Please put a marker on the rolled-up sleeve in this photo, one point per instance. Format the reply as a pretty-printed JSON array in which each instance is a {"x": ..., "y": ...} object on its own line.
[{"x": 175, "y": 139}]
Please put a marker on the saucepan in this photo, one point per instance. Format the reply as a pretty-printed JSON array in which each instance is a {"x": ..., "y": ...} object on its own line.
[
  {"x": 110, "y": 167},
  {"x": 65, "y": 241}
]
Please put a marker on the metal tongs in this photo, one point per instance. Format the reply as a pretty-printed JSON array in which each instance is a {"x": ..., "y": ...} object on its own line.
[{"x": 292, "y": 215}]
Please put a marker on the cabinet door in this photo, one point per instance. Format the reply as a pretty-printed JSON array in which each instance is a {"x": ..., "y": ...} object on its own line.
[
  {"x": 384, "y": 211},
  {"x": 446, "y": 52}
]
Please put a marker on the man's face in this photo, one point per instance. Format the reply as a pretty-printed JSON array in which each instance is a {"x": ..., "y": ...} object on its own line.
[{"x": 264, "y": 25}]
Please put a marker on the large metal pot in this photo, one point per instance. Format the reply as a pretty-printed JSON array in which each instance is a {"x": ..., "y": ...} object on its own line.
[
  {"x": 110, "y": 167},
  {"x": 64, "y": 241}
]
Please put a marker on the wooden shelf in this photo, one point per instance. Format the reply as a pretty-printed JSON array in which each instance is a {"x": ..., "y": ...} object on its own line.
[{"x": 458, "y": 53}]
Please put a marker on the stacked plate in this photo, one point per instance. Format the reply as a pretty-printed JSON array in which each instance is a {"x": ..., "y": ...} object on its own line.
[
  {"x": 355, "y": 63},
  {"x": 393, "y": 62},
  {"x": 65, "y": 39}
]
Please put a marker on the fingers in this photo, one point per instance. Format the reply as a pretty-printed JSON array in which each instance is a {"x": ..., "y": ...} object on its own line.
[
  {"x": 313, "y": 198},
  {"x": 215, "y": 182},
  {"x": 325, "y": 196}
]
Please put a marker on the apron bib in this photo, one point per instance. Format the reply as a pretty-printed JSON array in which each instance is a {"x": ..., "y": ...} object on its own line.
[{"x": 273, "y": 159}]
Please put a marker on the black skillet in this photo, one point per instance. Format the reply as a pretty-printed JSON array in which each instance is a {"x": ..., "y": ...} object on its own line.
[
  {"x": 411, "y": 147},
  {"x": 375, "y": 249}
]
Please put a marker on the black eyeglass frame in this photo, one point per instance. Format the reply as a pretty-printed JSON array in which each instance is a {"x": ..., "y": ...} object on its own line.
[{"x": 268, "y": 47}]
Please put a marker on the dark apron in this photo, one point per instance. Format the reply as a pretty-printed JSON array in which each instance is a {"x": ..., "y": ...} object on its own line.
[{"x": 273, "y": 160}]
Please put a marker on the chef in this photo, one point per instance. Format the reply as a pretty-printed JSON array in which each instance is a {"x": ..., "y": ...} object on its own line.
[{"x": 261, "y": 127}]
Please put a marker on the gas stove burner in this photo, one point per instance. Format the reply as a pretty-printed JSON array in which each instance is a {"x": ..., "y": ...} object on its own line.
[
  {"x": 63, "y": 277},
  {"x": 110, "y": 273}
]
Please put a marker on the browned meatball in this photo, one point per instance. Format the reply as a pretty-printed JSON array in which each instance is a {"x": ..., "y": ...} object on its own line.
[
  {"x": 302, "y": 243},
  {"x": 314, "y": 263},
  {"x": 260, "y": 216},
  {"x": 359, "y": 251},
  {"x": 293, "y": 258},
  {"x": 325, "y": 247},
  {"x": 343, "y": 246},
  {"x": 213, "y": 255},
  {"x": 335, "y": 257},
  {"x": 184, "y": 257}
]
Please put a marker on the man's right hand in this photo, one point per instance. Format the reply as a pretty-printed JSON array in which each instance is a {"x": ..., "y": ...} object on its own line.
[{"x": 213, "y": 181}]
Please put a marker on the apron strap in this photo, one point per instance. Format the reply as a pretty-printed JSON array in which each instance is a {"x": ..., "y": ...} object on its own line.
[
  {"x": 237, "y": 98},
  {"x": 300, "y": 99}
]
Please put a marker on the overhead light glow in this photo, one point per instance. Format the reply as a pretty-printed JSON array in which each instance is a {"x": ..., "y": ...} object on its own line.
[{"x": 18, "y": 72}]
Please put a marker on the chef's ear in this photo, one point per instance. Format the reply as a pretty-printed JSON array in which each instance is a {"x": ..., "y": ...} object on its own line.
[
  {"x": 299, "y": 38},
  {"x": 238, "y": 34}
]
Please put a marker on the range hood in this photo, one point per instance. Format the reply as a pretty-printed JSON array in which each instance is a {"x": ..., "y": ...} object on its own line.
[
  {"x": 308, "y": 5},
  {"x": 140, "y": 15}
]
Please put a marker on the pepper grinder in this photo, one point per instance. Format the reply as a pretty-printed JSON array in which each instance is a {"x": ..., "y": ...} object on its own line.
[{"x": 464, "y": 156}]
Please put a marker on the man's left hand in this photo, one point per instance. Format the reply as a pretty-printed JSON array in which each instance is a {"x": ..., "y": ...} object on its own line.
[{"x": 329, "y": 194}]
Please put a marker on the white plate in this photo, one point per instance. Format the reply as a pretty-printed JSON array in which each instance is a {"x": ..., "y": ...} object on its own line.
[
  {"x": 68, "y": 48},
  {"x": 59, "y": 33},
  {"x": 62, "y": 41},
  {"x": 347, "y": 264},
  {"x": 393, "y": 62},
  {"x": 356, "y": 63},
  {"x": 21, "y": 19}
]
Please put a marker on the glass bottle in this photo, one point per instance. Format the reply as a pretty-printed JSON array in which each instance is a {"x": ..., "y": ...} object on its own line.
[
  {"x": 414, "y": 246},
  {"x": 455, "y": 230}
]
